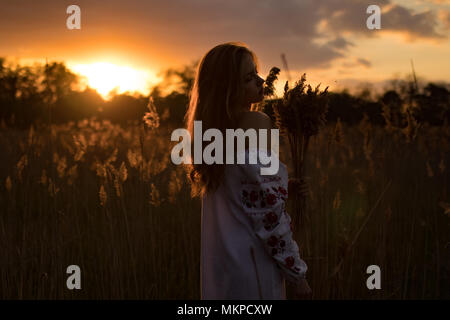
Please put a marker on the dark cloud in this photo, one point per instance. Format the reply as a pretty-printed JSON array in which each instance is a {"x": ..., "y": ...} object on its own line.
[
  {"x": 340, "y": 43},
  {"x": 415, "y": 24},
  {"x": 350, "y": 16},
  {"x": 356, "y": 63},
  {"x": 364, "y": 62}
]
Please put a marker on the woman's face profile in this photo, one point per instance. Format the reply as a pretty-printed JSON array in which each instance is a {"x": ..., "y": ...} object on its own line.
[{"x": 253, "y": 84}]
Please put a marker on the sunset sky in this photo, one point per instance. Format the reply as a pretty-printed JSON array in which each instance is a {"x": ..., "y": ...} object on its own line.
[{"x": 327, "y": 39}]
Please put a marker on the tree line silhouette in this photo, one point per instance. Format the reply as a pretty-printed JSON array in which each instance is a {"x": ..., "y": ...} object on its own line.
[{"x": 47, "y": 94}]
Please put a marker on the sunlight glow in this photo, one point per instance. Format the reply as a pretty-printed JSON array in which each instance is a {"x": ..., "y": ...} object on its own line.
[{"x": 105, "y": 76}]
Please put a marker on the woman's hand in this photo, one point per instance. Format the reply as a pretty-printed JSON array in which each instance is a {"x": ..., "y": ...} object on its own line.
[
  {"x": 302, "y": 291},
  {"x": 299, "y": 186}
]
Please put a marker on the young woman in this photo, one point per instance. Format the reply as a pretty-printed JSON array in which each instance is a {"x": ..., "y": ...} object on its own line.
[{"x": 247, "y": 249}]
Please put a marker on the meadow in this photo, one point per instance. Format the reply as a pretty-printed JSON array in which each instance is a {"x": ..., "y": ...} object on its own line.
[{"x": 108, "y": 199}]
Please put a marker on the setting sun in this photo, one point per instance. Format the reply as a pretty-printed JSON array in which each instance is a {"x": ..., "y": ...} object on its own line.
[{"x": 105, "y": 76}]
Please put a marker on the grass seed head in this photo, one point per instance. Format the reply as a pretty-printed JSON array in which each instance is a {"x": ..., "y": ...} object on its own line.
[
  {"x": 102, "y": 195},
  {"x": 302, "y": 111}
]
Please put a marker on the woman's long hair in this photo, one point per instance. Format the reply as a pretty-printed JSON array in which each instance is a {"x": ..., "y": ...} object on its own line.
[{"x": 215, "y": 99}]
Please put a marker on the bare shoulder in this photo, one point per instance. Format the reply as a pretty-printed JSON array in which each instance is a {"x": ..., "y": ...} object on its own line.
[{"x": 255, "y": 120}]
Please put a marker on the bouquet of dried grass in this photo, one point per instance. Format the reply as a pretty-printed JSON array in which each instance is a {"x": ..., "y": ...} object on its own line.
[{"x": 299, "y": 115}]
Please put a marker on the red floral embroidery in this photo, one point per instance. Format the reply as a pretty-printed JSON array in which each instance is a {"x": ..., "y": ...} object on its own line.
[
  {"x": 270, "y": 221},
  {"x": 272, "y": 241},
  {"x": 253, "y": 196},
  {"x": 289, "y": 261},
  {"x": 263, "y": 198},
  {"x": 249, "y": 198},
  {"x": 272, "y": 217},
  {"x": 271, "y": 199},
  {"x": 277, "y": 244}
]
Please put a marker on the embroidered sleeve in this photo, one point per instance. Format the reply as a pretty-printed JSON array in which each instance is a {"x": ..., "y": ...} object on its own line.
[{"x": 263, "y": 201}]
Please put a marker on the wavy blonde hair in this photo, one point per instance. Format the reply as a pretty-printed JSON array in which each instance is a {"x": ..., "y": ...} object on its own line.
[{"x": 215, "y": 99}]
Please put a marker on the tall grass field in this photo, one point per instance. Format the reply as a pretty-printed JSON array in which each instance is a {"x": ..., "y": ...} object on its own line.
[{"x": 108, "y": 199}]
